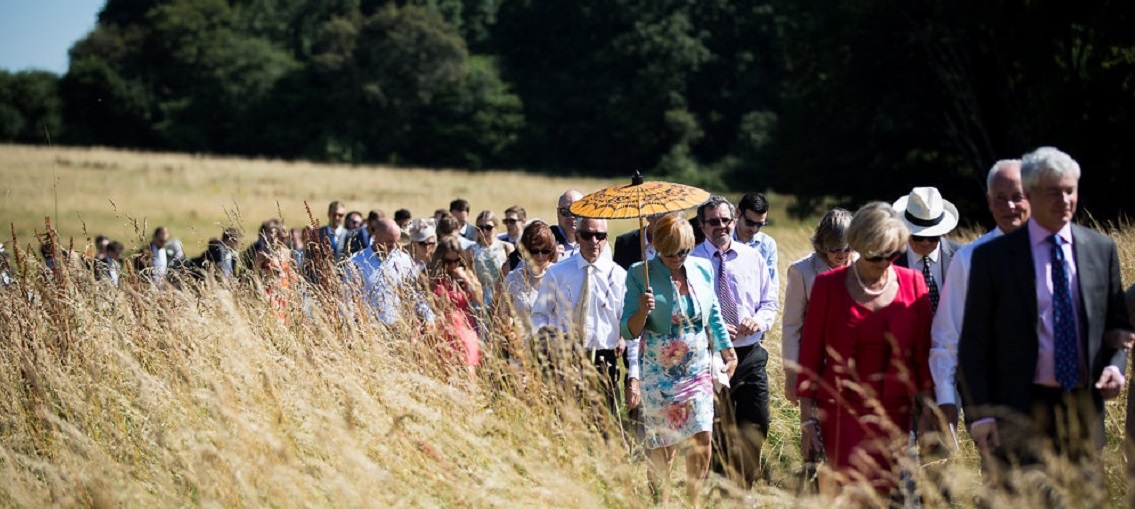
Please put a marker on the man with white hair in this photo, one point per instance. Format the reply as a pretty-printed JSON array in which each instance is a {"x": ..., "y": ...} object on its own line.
[
  {"x": 582, "y": 297},
  {"x": 1006, "y": 201},
  {"x": 1045, "y": 334}
]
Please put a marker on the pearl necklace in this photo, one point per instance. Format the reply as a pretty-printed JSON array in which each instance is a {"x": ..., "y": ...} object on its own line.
[{"x": 868, "y": 291}]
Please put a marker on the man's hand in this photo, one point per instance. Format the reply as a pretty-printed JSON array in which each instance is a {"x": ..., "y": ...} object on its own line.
[
  {"x": 984, "y": 434},
  {"x": 1110, "y": 383},
  {"x": 622, "y": 347},
  {"x": 732, "y": 329},
  {"x": 748, "y": 326},
  {"x": 1120, "y": 339},
  {"x": 634, "y": 397}
]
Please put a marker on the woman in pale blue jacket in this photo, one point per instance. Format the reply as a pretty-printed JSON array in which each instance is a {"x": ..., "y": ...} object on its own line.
[{"x": 673, "y": 375}]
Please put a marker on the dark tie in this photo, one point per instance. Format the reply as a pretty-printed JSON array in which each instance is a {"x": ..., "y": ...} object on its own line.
[
  {"x": 930, "y": 283},
  {"x": 1067, "y": 355},
  {"x": 724, "y": 295}
]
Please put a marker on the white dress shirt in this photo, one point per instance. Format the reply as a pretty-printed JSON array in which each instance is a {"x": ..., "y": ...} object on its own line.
[
  {"x": 556, "y": 301},
  {"x": 914, "y": 262},
  {"x": 947, "y": 325},
  {"x": 750, "y": 283},
  {"x": 384, "y": 282}
]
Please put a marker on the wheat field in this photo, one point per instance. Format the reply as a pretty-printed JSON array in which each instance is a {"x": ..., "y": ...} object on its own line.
[{"x": 213, "y": 397}]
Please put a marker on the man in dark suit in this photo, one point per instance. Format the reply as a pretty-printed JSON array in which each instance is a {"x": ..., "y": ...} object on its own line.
[
  {"x": 1045, "y": 332},
  {"x": 928, "y": 217}
]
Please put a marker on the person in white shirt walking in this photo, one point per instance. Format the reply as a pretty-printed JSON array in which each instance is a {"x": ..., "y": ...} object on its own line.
[
  {"x": 582, "y": 297},
  {"x": 1006, "y": 200}
]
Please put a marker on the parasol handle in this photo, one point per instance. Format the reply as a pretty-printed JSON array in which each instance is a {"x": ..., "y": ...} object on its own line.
[{"x": 642, "y": 244}]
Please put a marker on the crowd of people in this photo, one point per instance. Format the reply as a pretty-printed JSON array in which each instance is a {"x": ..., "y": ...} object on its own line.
[{"x": 889, "y": 330}]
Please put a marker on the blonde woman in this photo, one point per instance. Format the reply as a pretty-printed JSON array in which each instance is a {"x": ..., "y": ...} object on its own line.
[
  {"x": 488, "y": 254},
  {"x": 864, "y": 354},
  {"x": 673, "y": 381},
  {"x": 830, "y": 251}
]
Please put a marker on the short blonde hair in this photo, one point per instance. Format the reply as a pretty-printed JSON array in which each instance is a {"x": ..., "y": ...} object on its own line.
[
  {"x": 672, "y": 233},
  {"x": 877, "y": 230}
]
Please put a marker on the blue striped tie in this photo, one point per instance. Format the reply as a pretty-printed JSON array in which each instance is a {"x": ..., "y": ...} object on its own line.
[{"x": 1067, "y": 355}]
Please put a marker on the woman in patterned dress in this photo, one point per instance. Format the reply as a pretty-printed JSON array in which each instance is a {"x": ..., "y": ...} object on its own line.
[
  {"x": 488, "y": 254},
  {"x": 673, "y": 380}
]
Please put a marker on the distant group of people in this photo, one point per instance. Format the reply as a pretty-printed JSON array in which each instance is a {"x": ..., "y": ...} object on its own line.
[{"x": 888, "y": 328}]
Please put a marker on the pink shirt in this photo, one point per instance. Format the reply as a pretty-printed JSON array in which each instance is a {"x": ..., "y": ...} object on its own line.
[{"x": 1041, "y": 243}]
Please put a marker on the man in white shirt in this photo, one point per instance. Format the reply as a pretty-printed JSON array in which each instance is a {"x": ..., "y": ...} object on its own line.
[
  {"x": 384, "y": 275},
  {"x": 1006, "y": 200},
  {"x": 752, "y": 215},
  {"x": 749, "y": 304},
  {"x": 582, "y": 297},
  {"x": 564, "y": 230}
]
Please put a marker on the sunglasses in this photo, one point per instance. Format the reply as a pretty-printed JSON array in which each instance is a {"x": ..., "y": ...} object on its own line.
[
  {"x": 448, "y": 262},
  {"x": 754, "y": 224},
  {"x": 545, "y": 252},
  {"x": 839, "y": 250},
  {"x": 919, "y": 238},
  {"x": 592, "y": 236},
  {"x": 890, "y": 257},
  {"x": 510, "y": 220},
  {"x": 719, "y": 221},
  {"x": 487, "y": 227},
  {"x": 680, "y": 254},
  {"x": 564, "y": 211}
]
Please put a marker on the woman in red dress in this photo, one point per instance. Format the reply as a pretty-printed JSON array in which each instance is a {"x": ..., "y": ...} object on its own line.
[
  {"x": 864, "y": 355},
  {"x": 457, "y": 292}
]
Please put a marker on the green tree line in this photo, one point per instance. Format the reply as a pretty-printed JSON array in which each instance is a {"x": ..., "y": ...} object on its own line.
[{"x": 846, "y": 100}]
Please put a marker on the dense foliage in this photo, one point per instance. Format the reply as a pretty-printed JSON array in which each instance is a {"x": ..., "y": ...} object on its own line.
[{"x": 852, "y": 100}]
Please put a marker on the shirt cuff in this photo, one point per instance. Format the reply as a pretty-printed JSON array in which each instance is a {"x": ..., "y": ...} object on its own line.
[
  {"x": 1122, "y": 379},
  {"x": 944, "y": 394}
]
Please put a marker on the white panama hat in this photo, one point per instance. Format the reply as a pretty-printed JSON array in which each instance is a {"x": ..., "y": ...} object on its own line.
[{"x": 925, "y": 213}]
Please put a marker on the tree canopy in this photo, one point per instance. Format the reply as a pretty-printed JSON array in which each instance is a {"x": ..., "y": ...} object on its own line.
[{"x": 852, "y": 101}]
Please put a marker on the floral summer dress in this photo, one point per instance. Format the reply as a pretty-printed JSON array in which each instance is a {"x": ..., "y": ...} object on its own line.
[
  {"x": 677, "y": 381},
  {"x": 487, "y": 263}
]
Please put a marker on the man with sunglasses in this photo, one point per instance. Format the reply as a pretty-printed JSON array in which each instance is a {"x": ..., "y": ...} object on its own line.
[
  {"x": 749, "y": 305},
  {"x": 752, "y": 215},
  {"x": 582, "y": 297},
  {"x": 564, "y": 230},
  {"x": 1046, "y": 331},
  {"x": 928, "y": 217}
]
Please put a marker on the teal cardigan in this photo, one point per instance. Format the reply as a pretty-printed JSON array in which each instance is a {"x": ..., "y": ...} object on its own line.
[{"x": 699, "y": 273}]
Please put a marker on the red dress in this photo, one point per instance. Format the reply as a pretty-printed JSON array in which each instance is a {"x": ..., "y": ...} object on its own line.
[
  {"x": 860, "y": 366},
  {"x": 455, "y": 317}
]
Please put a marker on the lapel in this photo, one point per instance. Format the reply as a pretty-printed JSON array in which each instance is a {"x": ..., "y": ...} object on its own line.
[
  {"x": 945, "y": 256},
  {"x": 1020, "y": 257},
  {"x": 1087, "y": 267},
  {"x": 902, "y": 261}
]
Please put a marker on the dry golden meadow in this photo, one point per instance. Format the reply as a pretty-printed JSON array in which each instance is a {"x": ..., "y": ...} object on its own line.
[{"x": 214, "y": 397}]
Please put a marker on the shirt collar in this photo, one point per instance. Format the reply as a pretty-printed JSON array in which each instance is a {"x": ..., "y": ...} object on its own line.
[{"x": 1039, "y": 234}]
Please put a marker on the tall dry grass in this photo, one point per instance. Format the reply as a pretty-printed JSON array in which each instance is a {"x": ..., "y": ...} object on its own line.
[{"x": 140, "y": 397}]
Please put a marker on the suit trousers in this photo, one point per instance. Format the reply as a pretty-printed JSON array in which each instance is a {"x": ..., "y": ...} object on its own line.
[{"x": 743, "y": 417}]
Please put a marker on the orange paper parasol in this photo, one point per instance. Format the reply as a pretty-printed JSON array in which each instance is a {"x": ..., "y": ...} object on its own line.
[{"x": 638, "y": 200}]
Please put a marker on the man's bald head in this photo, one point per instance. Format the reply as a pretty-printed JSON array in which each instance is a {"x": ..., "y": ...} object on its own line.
[{"x": 385, "y": 235}]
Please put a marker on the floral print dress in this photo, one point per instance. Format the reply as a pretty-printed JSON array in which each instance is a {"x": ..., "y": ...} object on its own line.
[{"x": 677, "y": 380}]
